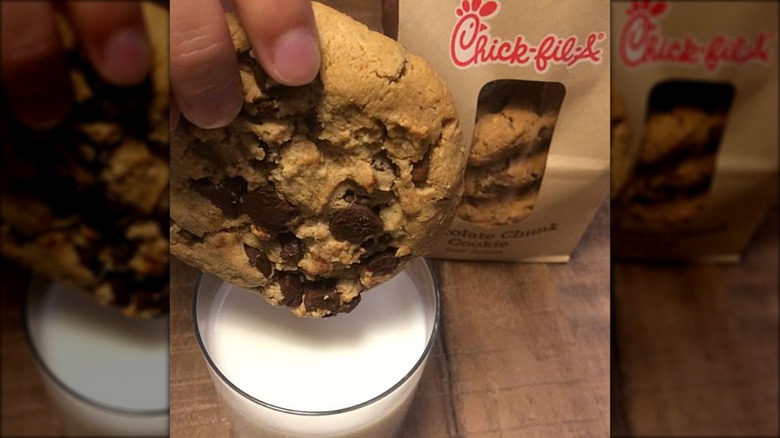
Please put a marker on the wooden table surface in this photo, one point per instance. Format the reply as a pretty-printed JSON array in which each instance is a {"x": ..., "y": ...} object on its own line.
[{"x": 696, "y": 345}]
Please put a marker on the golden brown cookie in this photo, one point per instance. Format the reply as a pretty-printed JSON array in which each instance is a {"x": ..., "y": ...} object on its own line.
[
  {"x": 507, "y": 159},
  {"x": 689, "y": 176},
  {"x": 681, "y": 131},
  {"x": 513, "y": 130},
  {"x": 316, "y": 193},
  {"x": 515, "y": 172},
  {"x": 675, "y": 167},
  {"x": 507, "y": 207},
  {"x": 669, "y": 214}
]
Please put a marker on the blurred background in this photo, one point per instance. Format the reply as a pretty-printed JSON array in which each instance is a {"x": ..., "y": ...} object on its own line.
[
  {"x": 694, "y": 275},
  {"x": 695, "y": 346}
]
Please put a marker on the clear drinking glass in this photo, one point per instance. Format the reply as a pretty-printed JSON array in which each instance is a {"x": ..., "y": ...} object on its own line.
[
  {"x": 105, "y": 374},
  {"x": 351, "y": 375}
]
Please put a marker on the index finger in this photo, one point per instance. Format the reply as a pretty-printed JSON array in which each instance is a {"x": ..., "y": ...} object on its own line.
[
  {"x": 284, "y": 36},
  {"x": 204, "y": 69},
  {"x": 34, "y": 74},
  {"x": 115, "y": 39}
]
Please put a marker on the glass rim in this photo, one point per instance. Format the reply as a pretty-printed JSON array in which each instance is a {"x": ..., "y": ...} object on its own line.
[
  {"x": 132, "y": 412},
  {"x": 433, "y": 335}
]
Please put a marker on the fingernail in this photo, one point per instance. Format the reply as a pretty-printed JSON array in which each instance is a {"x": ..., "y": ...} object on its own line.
[
  {"x": 126, "y": 57},
  {"x": 296, "y": 57},
  {"x": 213, "y": 108}
]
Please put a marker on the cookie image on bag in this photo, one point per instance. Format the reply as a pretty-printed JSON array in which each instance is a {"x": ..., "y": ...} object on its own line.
[
  {"x": 314, "y": 194},
  {"x": 676, "y": 161},
  {"x": 86, "y": 203},
  {"x": 512, "y": 134}
]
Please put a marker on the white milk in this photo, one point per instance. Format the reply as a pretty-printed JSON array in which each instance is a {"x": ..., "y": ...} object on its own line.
[
  {"x": 107, "y": 374},
  {"x": 319, "y": 365}
]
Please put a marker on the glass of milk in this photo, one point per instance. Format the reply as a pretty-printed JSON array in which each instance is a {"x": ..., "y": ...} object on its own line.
[
  {"x": 105, "y": 374},
  {"x": 353, "y": 375}
]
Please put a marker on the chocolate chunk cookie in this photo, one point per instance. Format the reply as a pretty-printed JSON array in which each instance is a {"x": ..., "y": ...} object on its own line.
[
  {"x": 315, "y": 193},
  {"x": 86, "y": 203},
  {"x": 514, "y": 130},
  {"x": 682, "y": 131},
  {"x": 506, "y": 163},
  {"x": 674, "y": 164},
  {"x": 675, "y": 167},
  {"x": 516, "y": 172}
]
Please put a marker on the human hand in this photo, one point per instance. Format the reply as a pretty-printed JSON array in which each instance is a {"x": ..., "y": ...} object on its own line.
[
  {"x": 205, "y": 82},
  {"x": 35, "y": 80}
]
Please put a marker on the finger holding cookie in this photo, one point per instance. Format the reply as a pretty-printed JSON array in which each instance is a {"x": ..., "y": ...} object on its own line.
[
  {"x": 314, "y": 194},
  {"x": 204, "y": 71},
  {"x": 34, "y": 76}
]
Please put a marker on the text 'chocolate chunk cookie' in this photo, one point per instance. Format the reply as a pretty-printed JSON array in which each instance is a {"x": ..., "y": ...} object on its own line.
[{"x": 337, "y": 184}]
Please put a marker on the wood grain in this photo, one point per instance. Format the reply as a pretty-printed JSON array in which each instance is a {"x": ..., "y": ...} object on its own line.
[{"x": 697, "y": 345}]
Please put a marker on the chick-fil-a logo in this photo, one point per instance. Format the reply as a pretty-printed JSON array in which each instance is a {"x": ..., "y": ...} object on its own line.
[
  {"x": 472, "y": 44},
  {"x": 641, "y": 43}
]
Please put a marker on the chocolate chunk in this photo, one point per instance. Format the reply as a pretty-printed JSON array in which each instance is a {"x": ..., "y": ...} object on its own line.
[
  {"x": 292, "y": 288},
  {"x": 252, "y": 253},
  {"x": 420, "y": 169},
  {"x": 370, "y": 244},
  {"x": 123, "y": 252},
  {"x": 144, "y": 300},
  {"x": 151, "y": 300},
  {"x": 120, "y": 295},
  {"x": 321, "y": 295},
  {"x": 225, "y": 195},
  {"x": 543, "y": 138},
  {"x": 189, "y": 237},
  {"x": 349, "y": 196},
  {"x": 376, "y": 244},
  {"x": 347, "y": 307},
  {"x": 290, "y": 248},
  {"x": 88, "y": 255},
  {"x": 259, "y": 260},
  {"x": 267, "y": 210},
  {"x": 313, "y": 124},
  {"x": 382, "y": 162},
  {"x": 383, "y": 262},
  {"x": 235, "y": 186},
  {"x": 355, "y": 224},
  {"x": 246, "y": 59}
]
